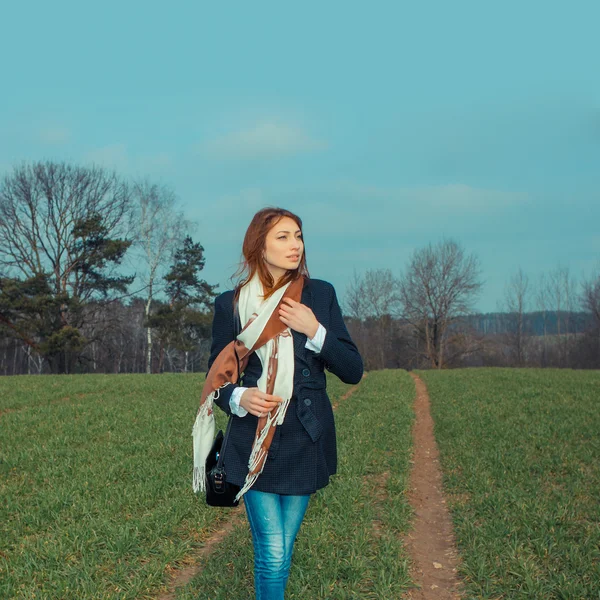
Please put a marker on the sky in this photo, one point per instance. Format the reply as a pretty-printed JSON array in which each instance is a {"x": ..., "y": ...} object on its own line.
[{"x": 386, "y": 126}]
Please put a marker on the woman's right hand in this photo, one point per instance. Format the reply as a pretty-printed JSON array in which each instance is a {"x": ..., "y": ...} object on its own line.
[{"x": 259, "y": 403}]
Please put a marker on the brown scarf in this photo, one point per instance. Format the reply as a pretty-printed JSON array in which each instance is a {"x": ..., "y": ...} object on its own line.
[{"x": 232, "y": 361}]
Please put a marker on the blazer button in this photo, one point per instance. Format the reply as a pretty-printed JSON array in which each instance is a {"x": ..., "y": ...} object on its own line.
[
  {"x": 306, "y": 372},
  {"x": 307, "y": 401}
]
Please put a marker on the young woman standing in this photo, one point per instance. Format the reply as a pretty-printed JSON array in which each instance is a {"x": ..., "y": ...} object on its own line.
[{"x": 282, "y": 442}]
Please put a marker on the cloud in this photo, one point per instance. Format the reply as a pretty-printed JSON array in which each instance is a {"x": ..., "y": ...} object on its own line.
[
  {"x": 267, "y": 139},
  {"x": 117, "y": 156},
  {"x": 360, "y": 218},
  {"x": 247, "y": 199},
  {"x": 157, "y": 161},
  {"x": 373, "y": 213},
  {"x": 113, "y": 156},
  {"x": 448, "y": 197},
  {"x": 54, "y": 135},
  {"x": 239, "y": 207},
  {"x": 459, "y": 196}
]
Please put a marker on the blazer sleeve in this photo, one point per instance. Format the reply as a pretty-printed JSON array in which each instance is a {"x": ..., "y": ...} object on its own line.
[
  {"x": 222, "y": 334},
  {"x": 339, "y": 352}
]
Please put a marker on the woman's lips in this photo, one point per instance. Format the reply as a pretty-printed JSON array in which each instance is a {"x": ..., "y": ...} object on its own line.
[{"x": 295, "y": 257}]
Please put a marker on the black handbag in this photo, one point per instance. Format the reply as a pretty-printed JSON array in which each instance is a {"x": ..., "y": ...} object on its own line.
[{"x": 220, "y": 492}]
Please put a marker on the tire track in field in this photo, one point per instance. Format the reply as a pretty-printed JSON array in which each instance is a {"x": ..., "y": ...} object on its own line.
[
  {"x": 431, "y": 542},
  {"x": 348, "y": 393},
  {"x": 181, "y": 577}
]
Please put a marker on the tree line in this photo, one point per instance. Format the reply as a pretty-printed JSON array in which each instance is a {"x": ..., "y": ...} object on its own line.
[
  {"x": 68, "y": 233},
  {"x": 424, "y": 318}
]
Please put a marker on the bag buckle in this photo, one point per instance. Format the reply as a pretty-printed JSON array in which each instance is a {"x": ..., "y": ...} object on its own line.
[{"x": 219, "y": 481}]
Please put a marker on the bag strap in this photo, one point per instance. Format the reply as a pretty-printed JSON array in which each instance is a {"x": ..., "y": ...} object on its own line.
[
  {"x": 236, "y": 330},
  {"x": 236, "y": 319},
  {"x": 224, "y": 444}
]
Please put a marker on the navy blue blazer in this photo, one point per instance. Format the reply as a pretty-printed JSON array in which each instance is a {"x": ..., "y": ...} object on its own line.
[{"x": 303, "y": 453}]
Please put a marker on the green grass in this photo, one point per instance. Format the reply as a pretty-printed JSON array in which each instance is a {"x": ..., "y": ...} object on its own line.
[
  {"x": 95, "y": 484},
  {"x": 520, "y": 451},
  {"x": 96, "y": 498},
  {"x": 337, "y": 555}
]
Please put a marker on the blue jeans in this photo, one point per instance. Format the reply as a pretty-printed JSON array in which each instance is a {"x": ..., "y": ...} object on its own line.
[{"x": 274, "y": 521}]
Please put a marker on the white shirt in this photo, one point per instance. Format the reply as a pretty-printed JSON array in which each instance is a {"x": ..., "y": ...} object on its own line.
[{"x": 315, "y": 344}]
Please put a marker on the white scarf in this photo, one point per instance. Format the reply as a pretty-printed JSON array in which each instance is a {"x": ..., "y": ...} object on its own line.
[{"x": 254, "y": 313}]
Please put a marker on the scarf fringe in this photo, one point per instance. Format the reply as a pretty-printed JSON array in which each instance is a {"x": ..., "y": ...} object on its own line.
[
  {"x": 281, "y": 410},
  {"x": 202, "y": 439},
  {"x": 199, "y": 479},
  {"x": 199, "y": 472},
  {"x": 258, "y": 452},
  {"x": 250, "y": 479}
]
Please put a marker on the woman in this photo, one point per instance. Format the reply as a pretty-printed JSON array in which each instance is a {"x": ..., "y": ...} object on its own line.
[{"x": 287, "y": 402}]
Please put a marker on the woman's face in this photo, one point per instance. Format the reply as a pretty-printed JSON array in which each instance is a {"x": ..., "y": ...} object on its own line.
[{"x": 283, "y": 247}]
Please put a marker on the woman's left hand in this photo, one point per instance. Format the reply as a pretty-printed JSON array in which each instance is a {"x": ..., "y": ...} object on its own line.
[{"x": 299, "y": 317}]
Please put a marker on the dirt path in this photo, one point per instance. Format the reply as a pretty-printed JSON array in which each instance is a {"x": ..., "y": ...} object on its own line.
[
  {"x": 180, "y": 577},
  {"x": 348, "y": 393},
  {"x": 431, "y": 543}
]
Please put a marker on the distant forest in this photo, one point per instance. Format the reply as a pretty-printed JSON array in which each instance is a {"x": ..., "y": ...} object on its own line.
[{"x": 69, "y": 233}]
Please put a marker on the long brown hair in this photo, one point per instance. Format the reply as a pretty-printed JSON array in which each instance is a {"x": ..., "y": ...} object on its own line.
[{"x": 254, "y": 246}]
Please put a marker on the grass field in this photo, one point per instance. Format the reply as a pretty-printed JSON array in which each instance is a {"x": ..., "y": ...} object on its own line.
[
  {"x": 338, "y": 554},
  {"x": 520, "y": 452},
  {"x": 96, "y": 498},
  {"x": 95, "y": 481}
]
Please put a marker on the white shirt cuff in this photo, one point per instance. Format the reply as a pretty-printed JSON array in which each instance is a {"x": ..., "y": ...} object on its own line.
[
  {"x": 316, "y": 343},
  {"x": 234, "y": 402}
]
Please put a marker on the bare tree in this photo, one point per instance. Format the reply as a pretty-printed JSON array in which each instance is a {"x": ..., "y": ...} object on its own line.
[
  {"x": 160, "y": 229},
  {"x": 375, "y": 297},
  {"x": 516, "y": 302},
  {"x": 355, "y": 306},
  {"x": 381, "y": 296},
  {"x": 436, "y": 290},
  {"x": 355, "y": 303},
  {"x": 542, "y": 295},
  {"x": 562, "y": 293},
  {"x": 382, "y": 303},
  {"x": 63, "y": 231},
  {"x": 371, "y": 301},
  {"x": 591, "y": 297},
  {"x": 590, "y": 301}
]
